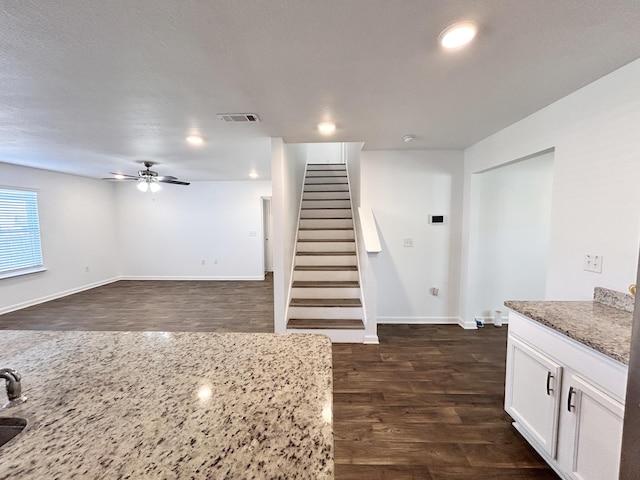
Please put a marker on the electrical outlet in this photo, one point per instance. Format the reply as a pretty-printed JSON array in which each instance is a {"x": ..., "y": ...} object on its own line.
[
  {"x": 215, "y": 262},
  {"x": 434, "y": 291},
  {"x": 592, "y": 263},
  {"x": 86, "y": 268},
  {"x": 408, "y": 242},
  {"x": 204, "y": 261}
]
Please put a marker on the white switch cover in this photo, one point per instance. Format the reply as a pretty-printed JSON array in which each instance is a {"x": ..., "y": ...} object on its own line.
[
  {"x": 408, "y": 242},
  {"x": 592, "y": 263}
]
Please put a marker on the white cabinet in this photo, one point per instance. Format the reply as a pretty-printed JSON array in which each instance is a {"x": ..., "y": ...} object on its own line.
[
  {"x": 533, "y": 394},
  {"x": 594, "y": 431},
  {"x": 566, "y": 399}
]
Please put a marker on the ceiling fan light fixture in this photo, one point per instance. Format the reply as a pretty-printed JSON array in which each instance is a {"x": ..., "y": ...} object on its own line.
[
  {"x": 143, "y": 186},
  {"x": 458, "y": 34},
  {"x": 154, "y": 187}
]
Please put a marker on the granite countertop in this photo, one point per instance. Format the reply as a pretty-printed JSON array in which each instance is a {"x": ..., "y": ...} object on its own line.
[
  {"x": 169, "y": 405},
  {"x": 592, "y": 323}
]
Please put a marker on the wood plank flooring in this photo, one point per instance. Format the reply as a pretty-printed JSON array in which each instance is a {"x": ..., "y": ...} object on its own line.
[
  {"x": 427, "y": 403},
  {"x": 168, "y": 306},
  {"x": 424, "y": 404}
]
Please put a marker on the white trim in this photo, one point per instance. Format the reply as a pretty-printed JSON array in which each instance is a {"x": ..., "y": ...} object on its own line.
[
  {"x": 467, "y": 325},
  {"x": 192, "y": 278},
  {"x": 48, "y": 298},
  {"x": 420, "y": 320},
  {"x": 22, "y": 271},
  {"x": 371, "y": 340}
]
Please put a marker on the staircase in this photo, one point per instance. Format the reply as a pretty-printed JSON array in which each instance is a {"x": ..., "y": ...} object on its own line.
[{"x": 325, "y": 292}]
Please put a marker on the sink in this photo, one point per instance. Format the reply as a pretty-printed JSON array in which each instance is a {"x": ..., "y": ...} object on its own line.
[{"x": 10, "y": 427}]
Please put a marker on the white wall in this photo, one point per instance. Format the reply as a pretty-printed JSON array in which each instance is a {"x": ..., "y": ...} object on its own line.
[
  {"x": 403, "y": 188},
  {"x": 330, "y": 152},
  {"x": 168, "y": 235},
  {"x": 287, "y": 172},
  {"x": 512, "y": 220},
  {"x": 595, "y": 186},
  {"x": 368, "y": 282},
  {"x": 77, "y": 224}
]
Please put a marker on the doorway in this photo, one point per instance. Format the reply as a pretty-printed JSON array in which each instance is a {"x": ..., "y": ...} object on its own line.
[{"x": 267, "y": 230}]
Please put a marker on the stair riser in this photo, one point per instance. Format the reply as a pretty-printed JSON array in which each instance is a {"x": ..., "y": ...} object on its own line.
[
  {"x": 342, "y": 260},
  {"x": 327, "y": 292},
  {"x": 326, "y": 196},
  {"x": 326, "y": 173},
  {"x": 337, "y": 213},
  {"x": 326, "y": 204},
  {"x": 325, "y": 181},
  {"x": 325, "y": 276},
  {"x": 326, "y": 247},
  {"x": 325, "y": 234},
  {"x": 325, "y": 312},
  {"x": 326, "y": 166},
  {"x": 338, "y": 187},
  {"x": 326, "y": 222}
]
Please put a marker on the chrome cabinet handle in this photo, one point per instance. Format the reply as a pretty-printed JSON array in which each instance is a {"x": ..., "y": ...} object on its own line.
[
  {"x": 549, "y": 389},
  {"x": 571, "y": 392}
]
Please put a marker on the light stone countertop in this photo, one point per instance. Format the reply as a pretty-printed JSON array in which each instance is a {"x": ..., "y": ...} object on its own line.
[
  {"x": 601, "y": 327},
  {"x": 108, "y": 405}
]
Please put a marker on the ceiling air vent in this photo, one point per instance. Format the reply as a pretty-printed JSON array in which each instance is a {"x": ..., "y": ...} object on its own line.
[{"x": 238, "y": 117}]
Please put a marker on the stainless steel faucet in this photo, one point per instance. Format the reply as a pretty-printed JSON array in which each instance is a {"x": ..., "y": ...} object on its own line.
[{"x": 14, "y": 388}]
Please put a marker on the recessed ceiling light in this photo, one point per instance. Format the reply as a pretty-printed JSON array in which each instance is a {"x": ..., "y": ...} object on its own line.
[
  {"x": 327, "y": 128},
  {"x": 253, "y": 174},
  {"x": 194, "y": 140},
  {"x": 458, "y": 34},
  {"x": 408, "y": 138}
]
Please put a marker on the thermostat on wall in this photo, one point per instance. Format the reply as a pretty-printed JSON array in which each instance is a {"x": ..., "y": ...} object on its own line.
[{"x": 437, "y": 219}]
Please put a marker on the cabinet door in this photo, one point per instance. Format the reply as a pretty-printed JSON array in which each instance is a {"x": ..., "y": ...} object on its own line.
[
  {"x": 596, "y": 428},
  {"x": 532, "y": 393}
]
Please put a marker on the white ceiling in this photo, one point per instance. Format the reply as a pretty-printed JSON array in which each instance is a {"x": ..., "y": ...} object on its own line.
[{"x": 92, "y": 86}]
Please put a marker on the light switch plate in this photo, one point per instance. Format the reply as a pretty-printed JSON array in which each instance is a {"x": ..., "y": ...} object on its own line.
[{"x": 408, "y": 242}]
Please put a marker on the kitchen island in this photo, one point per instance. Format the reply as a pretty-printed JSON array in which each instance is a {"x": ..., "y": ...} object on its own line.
[{"x": 169, "y": 405}]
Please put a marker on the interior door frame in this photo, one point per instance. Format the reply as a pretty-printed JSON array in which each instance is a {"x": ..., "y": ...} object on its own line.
[{"x": 267, "y": 234}]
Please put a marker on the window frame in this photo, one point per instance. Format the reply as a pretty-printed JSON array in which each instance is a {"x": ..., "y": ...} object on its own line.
[{"x": 34, "y": 266}]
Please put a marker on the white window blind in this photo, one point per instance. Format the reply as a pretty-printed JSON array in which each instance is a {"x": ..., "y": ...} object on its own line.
[{"x": 20, "y": 248}]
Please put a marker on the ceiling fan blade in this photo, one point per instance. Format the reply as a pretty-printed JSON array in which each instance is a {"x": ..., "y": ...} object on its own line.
[
  {"x": 164, "y": 178},
  {"x": 175, "y": 182},
  {"x": 123, "y": 175},
  {"x": 128, "y": 177}
]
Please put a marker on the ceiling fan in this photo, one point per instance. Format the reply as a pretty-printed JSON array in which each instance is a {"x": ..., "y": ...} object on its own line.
[{"x": 148, "y": 180}]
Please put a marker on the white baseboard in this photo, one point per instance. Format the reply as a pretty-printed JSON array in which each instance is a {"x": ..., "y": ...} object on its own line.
[
  {"x": 467, "y": 324},
  {"x": 48, "y": 298},
  {"x": 371, "y": 340},
  {"x": 420, "y": 320},
  {"x": 174, "y": 278}
]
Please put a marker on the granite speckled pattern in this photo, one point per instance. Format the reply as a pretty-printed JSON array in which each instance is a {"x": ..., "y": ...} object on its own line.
[
  {"x": 601, "y": 327},
  {"x": 106, "y": 405},
  {"x": 623, "y": 301}
]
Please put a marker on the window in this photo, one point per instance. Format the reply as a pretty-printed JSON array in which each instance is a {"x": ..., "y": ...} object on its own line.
[{"x": 20, "y": 249}]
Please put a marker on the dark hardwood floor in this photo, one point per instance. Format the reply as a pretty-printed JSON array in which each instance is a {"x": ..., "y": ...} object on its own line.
[
  {"x": 168, "y": 306},
  {"x": 427, "y": 403},
  {"x": 424, "y": 404}
]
